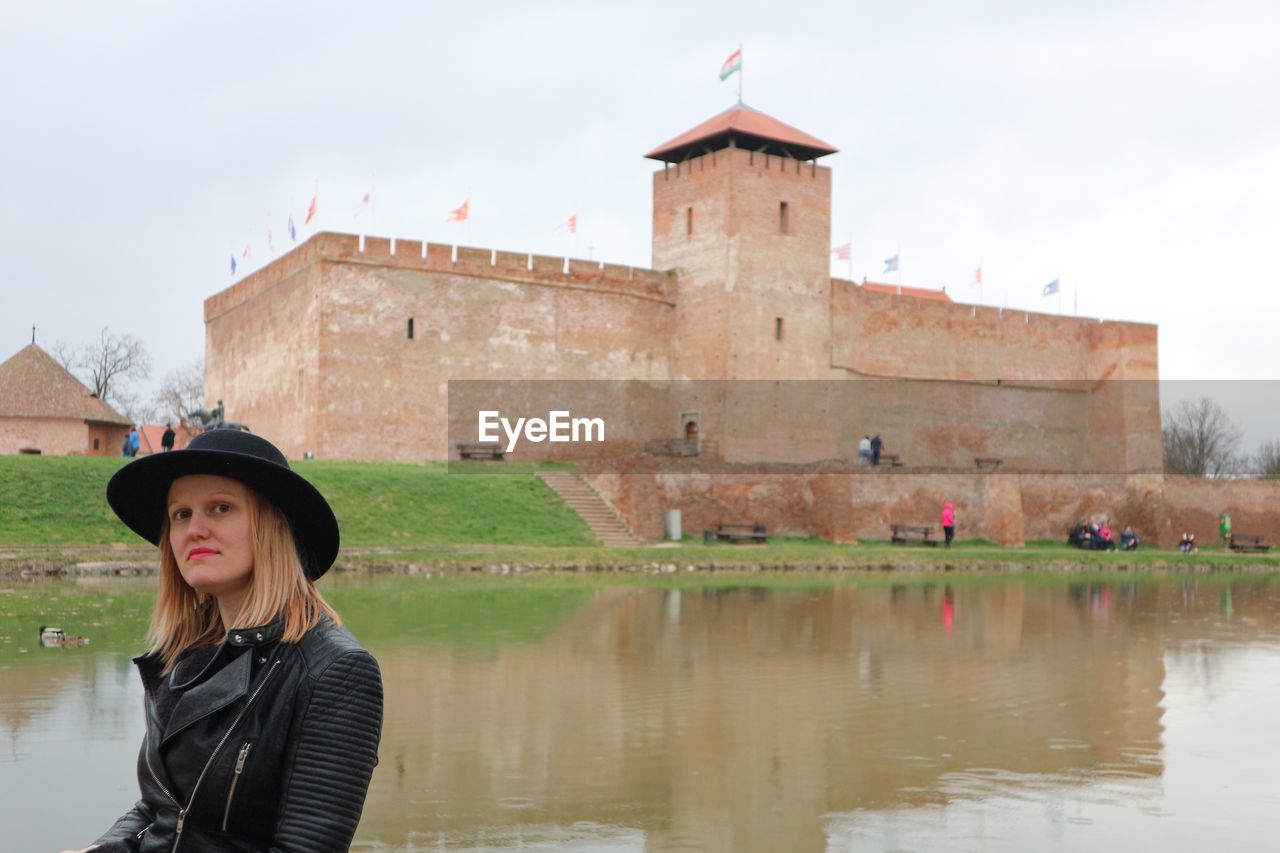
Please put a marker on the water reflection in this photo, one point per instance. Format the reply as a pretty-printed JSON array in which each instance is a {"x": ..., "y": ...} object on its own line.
[{"x": 994, "y": 714}]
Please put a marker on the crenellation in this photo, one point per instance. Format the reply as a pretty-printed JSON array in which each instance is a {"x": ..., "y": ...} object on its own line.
[
  {"x": 546, "y": 265},
  {"x": 477, "y": 261},
  {"x": 590, "y": 271}
]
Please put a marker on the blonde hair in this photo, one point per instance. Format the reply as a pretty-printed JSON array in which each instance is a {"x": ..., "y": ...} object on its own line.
[{"x": 279, "y": 586}]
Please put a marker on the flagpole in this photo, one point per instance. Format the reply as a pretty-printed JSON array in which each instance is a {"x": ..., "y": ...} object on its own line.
[{"x": 850, "y": 257}]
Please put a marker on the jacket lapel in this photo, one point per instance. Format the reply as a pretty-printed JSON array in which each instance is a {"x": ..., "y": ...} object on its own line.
[{"x": 225, "y": 686}]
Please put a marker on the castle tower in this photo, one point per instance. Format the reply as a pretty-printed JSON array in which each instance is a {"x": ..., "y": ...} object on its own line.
[{"x": 742, "y": 211}]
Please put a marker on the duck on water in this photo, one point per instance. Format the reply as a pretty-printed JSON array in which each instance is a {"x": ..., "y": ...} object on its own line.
[{"x": 56, "y": 637}]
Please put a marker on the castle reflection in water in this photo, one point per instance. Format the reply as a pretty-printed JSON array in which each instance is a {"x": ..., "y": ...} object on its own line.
[{"x": 824, "y": 716}]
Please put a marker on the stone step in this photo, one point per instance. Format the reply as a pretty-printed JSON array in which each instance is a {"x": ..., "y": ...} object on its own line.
[{"x": 578, "y": 495}]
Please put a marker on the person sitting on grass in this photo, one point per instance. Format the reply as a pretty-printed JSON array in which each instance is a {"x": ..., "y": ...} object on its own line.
[
  {"x": 1105, "y": 543},
  {"x": 1128, "y": 539}
]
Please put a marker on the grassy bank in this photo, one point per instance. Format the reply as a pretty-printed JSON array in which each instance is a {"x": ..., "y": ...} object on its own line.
[
  {"x": 60, "y": 501},
  {"x": 806, "y": 554},
  {"x": 413, "y": 518}
]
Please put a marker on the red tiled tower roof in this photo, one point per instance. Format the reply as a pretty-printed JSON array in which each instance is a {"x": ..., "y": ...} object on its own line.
[
  {"x": 33, "y": 385},
  {"x": 743, "y": 127}
]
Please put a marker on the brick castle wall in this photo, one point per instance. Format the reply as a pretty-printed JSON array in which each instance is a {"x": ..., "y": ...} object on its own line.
[
  {"x": 338, "y": 375},
  {"x": 1010, "y": 509}
]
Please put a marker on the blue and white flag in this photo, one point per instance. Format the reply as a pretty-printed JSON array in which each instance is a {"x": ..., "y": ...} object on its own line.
[
  {"x": 293, "y": 234},
  {"x": 233, "y": 264},
  {"x": 891, "y": 264},
  {"x": 1050, "y": 288}
]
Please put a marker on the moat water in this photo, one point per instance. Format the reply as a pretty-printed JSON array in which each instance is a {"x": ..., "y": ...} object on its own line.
[{"x": 730, "y": 714}]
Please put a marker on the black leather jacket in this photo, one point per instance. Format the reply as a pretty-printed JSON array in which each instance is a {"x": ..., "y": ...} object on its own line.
[{"x": 255, "y": 745}]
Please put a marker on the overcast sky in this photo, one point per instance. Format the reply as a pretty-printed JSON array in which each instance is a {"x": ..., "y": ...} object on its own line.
[{"x": 1129, "y": 149}]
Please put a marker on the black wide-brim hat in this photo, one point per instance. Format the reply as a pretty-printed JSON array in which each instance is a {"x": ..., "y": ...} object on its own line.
[{"x": 139, "y": 492}]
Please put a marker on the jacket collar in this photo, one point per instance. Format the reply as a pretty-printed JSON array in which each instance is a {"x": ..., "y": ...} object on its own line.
[
  {"x": 219, "y": 690},
  {"x": 223, "y": 678}
]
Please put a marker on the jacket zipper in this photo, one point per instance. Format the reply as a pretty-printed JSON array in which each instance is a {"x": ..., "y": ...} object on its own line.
[
  {"x": 235, "y": 779},
  {"x": 195, "y": 789}
]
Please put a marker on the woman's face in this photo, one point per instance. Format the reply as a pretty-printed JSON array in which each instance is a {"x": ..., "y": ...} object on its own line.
[{"x": 209, "y": 533}]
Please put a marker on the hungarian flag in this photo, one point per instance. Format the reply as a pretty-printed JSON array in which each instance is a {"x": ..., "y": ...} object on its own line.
[
  {"x": 459, "y": 214},
  {"x": 311, "y": 211},
  {"x": 571, "y": 224},
  {"x": 248, "y": 250},
  {"x": 732, "y": 64},
  {"x": 842, "y": 252},
  {"x": 363, "y": 206}
]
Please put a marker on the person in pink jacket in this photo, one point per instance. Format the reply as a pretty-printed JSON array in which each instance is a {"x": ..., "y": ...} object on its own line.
[{"x": 949, "y": 521}]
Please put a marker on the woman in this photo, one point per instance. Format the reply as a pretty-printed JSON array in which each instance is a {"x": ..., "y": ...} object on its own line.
[
  {"x": 263, "y": 715},
  {"x": 949, "y": 521}
]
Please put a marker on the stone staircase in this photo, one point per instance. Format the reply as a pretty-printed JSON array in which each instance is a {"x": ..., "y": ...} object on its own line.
[{"x": 588, "y": 504}]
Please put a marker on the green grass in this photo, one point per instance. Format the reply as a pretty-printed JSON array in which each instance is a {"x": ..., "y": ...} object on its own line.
[
  {"x": 56, "y": 501},
  {"x": 813, "y": 553},
  {"x": 394, "y": 514}
]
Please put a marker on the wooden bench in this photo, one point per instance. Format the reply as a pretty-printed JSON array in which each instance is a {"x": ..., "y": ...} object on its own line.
[
  {"x": 479, "y": 450},
  {"x": 900, "y": 534},
  {"x": 756, "y": 532},
  {"x": 891, "y": 459},
  {"x": 984, "y": 462},
  {"x": 1248, "y": 542}
]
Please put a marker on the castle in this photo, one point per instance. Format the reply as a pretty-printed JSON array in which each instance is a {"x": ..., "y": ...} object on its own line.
[{"x": 344, "y": 347}]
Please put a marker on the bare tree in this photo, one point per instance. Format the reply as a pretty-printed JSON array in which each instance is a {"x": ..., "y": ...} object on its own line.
[
  {"x": 1266, "y": 462},
  {"x": 1200, "y": 440},
  {"x": 107, "y": 364},
  {"x": 181, "y": 391}
]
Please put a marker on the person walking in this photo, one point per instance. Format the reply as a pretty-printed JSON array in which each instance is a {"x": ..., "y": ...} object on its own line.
[
  {"x": 864, "y": 451},
  {"x": 949, "y": 522},
  {"x": 876, "y": 446},
  {"x": 263, "y": 715},
  {"x": 166, "y": 440}
]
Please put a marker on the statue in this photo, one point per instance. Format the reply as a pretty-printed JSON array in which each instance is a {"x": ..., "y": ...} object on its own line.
[{"x": 205, "y": 420}]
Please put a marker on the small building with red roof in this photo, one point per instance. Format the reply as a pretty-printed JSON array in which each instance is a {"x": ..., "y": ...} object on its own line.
[
  {"x": 150, "y": 437},
  {"x": 44, "y": 409}
]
